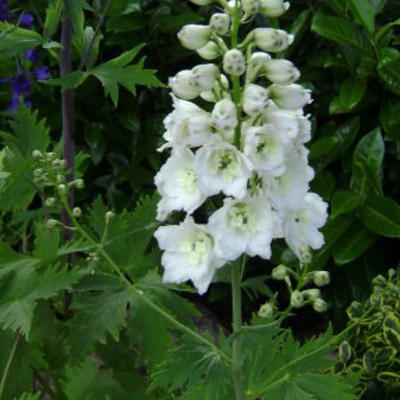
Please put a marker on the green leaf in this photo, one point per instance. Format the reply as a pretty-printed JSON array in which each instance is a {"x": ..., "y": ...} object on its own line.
[
  {"x": 82, "y": 43},
  {"x": 75, "y": 11},
  {"x": 385, "y": 33},
  {"x": 352, "y": 92},
  {"x": 377, "y": 5},
  {"x": 389, "y": 69},
  {"x": 116, "y": 72},
  {"x": 337, "y": 107},
  {"x": 15, "y": 40},
  {"x": 343, "y": 202},
  {"x": 68, "y": 81},
  {"x": 356, "y": 240},
  {"x": 53, "y": 17},
  {"x": 322, "y": 146},
  {"x": 124, "y": 7},
  {"x": 342, "y": 31},
  {"x": 367, "y": 162},
  {"x": 381, "y": 215},
  {"x": 364, "y": 13}
]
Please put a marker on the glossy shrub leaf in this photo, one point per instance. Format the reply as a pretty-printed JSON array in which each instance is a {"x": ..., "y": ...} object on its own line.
[
  {"x": 364, "y": 13},
  {"x": 342, "y": 31},
  {"x": 381, "y": 215},
  {"x": 354, "y": 242},
  {"x": 352, "y": 92},
  {"x": 343, "y": 202},
  {"x": 323, "y": 146},
  {"x": 389, "y": 70},
  {"x": 367, "y": 162}
]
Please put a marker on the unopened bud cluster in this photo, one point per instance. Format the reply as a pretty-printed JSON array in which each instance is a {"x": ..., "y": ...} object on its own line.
[{"x": 248, "y": 147}]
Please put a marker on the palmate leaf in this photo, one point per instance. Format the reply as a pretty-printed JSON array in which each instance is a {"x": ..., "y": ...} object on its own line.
[{"x": 23, "y": 284}]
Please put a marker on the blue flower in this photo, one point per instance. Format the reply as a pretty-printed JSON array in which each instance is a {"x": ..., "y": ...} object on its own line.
[
  {"x": 21, "y": 85},
  {"x": 4, "y": 12},
  {"x": 32, "y": 55},
  {"x": 42, "y": 73},
  {"x": 26, "y": 20}
]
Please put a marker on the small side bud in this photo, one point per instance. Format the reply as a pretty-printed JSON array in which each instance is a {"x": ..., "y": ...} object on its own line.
[
  {"x": 255, "y": 99},
  {"x": 60, "y": 178},
  {"x": 210, "y": 51},
  {"x": 273, "y": 8},
  {"x": 37, "y": 154},
  {"x": 281, "y": 71},
  {"x": 280, "y": 273},
  {"x": 312, "y": 294},
  {"x": 234, "y": 62},
  {"x": 251, "y": 7},
  {"x": 109, "y": 216},
  {"x": 271, "y": 40},
  {"x": 220, "y": 23},
  {"x": 194, "y": 36},
  {"x": 204, "y": 76},
  {"x": 289, "y": 97},
  {"x": 50, "y": 202},
  {"x": 79, "y": 183},
  {"x": 266, "y": 311},
  {"x": 344, "y": 354},
  {"x": 321, "y": 278},
  {"x": 297, "y": 299},
  {"x": 62, "y": 188},
  {"x": 305, "y": 255},
  {"x": 52, "y": 223},
  {"x": 77, "y": 212},
  {"x": 182, "y": 86},
  {"x": 38, "y": 172},
  {"x": 320, "y": 306},
  {"x": 224, "y": 117}
]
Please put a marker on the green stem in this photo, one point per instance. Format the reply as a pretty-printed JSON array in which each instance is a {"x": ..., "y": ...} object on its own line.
[
  {"x": 9, "y": 364},
  {"x": 237, "y": 324}
]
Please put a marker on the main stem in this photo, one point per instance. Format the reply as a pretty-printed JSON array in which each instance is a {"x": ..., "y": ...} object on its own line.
[{"x": 237, "y": 323}]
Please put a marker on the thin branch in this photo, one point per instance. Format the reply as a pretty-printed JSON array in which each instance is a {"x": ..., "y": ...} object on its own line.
[
  {"x": 9, "y": 364},
  {"x": 96, "y": 34}
]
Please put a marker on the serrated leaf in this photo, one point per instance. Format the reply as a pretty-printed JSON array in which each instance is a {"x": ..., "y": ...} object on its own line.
[
  {"x": 53, "y": 17},
  {"x": 342, "y": 31},
  {"x": 381, "y": 215},
  {"x": 354, "y": 242},
  {"x": 15, "y": 40},
  {"x": 75, "y": 11}
]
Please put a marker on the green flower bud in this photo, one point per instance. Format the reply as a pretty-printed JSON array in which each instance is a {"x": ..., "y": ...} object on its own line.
[
  {"x": 50, "y": 156},
  {"x": 210, "y": 51},
  {"x": 297, "y": 299},
  {"x": 220, "y": 23},
  {"x": 38, "y": 172},
  {"x": 51, "y": 223},
  {"x": 194, "y": 36},
  {"x": 234, "y": 62},
  {"x": 60, "y": 178},
  {"x": 77, "y": 212},
  {"x": 109, "y": 216},
  {"x": 280, "y": 272},
  {"x": 344, "y": 352},
  {"x": 305, "y": 255},
  {"x": 79, "y": 184},
  {"x": 321, "y": 278},
  {"x": 36, "y": 154},
  {"x": 266, "y": 311},
  {"x": 50, "y": 202},
  {"x": 311, "y": 294},
  {"x": 320, "y": 305},
  {"x": 62, "y": 188},
  {"x": 251, "y": 7}
]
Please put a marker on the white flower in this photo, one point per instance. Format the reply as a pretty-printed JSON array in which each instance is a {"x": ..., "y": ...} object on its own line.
[
  {"x": 194, "y": 36},
  {"x": 188, "y": 254},
  {"x": 290, "y": 97},
  {"x": 234, "y": 62},
  {"x": 251, "y": 7},
  {"x": 224, "y": 117},
  {"x": 264, "y": 147},
  {"x": 204, "y": 76},
  {"x": 301, "y": 225},
  {"x": 288, "y": 190},
  {"x": 273, "y": 8},
  {"x": 182, "y": 86},
  {"x": 219, "y": 91},
  {"x": 220, "y": 23},
  {"x": 255, "y": 99},
  {"x": 242, "y": 226},
  {"x": 281, "y": 71},
  {"x": 271, "y": 40},
  {"x": 209, "y": 51},
  {"x": 188, "y": 124},
  {"x": 221, "y": 167},
  {"x": 257, "y": 64},
  {"x": 177, "y": 183}
]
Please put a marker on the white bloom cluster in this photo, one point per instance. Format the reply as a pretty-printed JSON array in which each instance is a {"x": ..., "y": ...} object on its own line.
[{"x": 248, "y": 146}]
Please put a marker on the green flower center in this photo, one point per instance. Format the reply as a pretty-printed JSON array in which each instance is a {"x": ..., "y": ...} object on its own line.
[
  {"x": 240, "y": 217},
  {"x": 196, "y": 248},
  {"x": 265, "y": 145},
  {"x": 225, "y": 162},
  {"x": 189, "y": 180}
]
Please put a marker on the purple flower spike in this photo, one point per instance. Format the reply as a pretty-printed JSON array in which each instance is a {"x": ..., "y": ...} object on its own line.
[
  {"x": 21, "y": 85},
  {"x": 32, "y": 55},
  {"x": 42, "y": 73},
  {"x": 26, "y": 20},
  {"x": 4, "y": 13},
  {"x": 14, "y": 105}
]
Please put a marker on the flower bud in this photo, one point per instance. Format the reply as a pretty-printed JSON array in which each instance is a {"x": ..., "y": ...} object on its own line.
[
  {"x": 257, "y": 63},
  {"x": 36, "y": 154},
  {"x": 38, "y": 172},
  {"x": 220, "y": 23},
  {"x": 109, "y": 216},
  {"x": 60, "y": 178},
  {"x": 251, "y": 7},
  {"x": 210, "y": 51},
  {"x": 289, "y": 97},
  {"x": 77, "y": 212},
  {"x": 280, "y": 272},
  {"x": 320, "y": 305},
  {"x": 234, "y": 62},
  {"x": 202, "y": 2},
  {"x": 218, "y": 91},
  {"x": 223, "y": 116},
  {"x": 50, "y": 202},
  {"x": 281, "y": 71},
  {"x": 62, "y": 188},
  {"x": 305, "y": 255},
  {"x": 79, "y": 183},
  {"x": 266, "y": 311},
  {"x": 204, "y": 76},
  {"x": 182, "y": 87},
  {"x": 344, "y": 352},
  {"x": 255, "y": 98},
  {"x": 321, "y": 278},
  {"x": 194, "y": 36},
  {"x": 51, "y": 223},
  {"x": 273, "y": 8},
  {"x": 312, "y": 294},
  {"x": 271, "y": 40},
  {"x": 296, "y": 299},
  {"x": 50, "y": 155}
]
